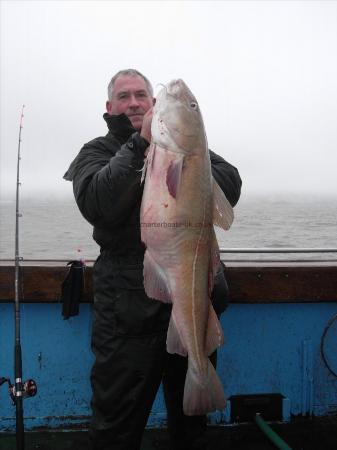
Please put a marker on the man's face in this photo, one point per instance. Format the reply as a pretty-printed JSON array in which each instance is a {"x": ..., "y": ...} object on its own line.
[{"x": 131, "y": 97}]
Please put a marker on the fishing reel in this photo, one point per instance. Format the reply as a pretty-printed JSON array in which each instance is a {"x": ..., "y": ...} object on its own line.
[{"x": 29, "y": 389}]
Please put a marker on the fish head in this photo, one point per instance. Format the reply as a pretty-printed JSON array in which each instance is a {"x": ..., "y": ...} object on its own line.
[{"x": 177, "y": 123}]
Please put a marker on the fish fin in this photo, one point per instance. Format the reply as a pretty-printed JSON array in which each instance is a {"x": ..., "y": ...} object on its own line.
[
  {"x": 223, "y": 214},
  {"x": 148, "y": 163},
  {"x": 214, "y": 336},
  {"x": 173, "y": 176},
  {"x": 155, "y": 282},
  {"x": 213, "y": 263},
  {"x": 144, "y": 170},
  {"x": 174, "y": 342},
  {"x": 203, "y": 396}
]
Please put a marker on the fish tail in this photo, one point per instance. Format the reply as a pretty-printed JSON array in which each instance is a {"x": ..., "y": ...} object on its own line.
[{"x": 203, "y": 396}]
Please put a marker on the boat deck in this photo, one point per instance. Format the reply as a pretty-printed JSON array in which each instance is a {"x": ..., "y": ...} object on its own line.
[{"x": 300, "y": 434}]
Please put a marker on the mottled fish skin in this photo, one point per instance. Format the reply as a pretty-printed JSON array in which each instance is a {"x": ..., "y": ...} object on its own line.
[{"x": 181, "y": 255}]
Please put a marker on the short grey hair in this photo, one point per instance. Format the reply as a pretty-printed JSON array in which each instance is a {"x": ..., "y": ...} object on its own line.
[{"x": 131, "y": 73}]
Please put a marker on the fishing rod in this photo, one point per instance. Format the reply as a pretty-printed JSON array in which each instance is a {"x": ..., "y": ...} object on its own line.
[{"x": 19, "y": 390}]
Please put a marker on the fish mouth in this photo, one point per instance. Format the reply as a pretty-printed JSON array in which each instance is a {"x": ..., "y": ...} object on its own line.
[{"x": 175, "y": 88}]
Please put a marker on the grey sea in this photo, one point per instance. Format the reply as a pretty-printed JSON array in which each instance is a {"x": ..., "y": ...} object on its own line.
[{"x": 53, "y": 228}]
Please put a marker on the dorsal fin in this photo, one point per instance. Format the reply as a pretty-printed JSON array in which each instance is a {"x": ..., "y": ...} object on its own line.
[{"x": 223, "y": 214}]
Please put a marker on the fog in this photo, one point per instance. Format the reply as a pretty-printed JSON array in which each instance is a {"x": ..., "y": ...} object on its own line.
[{"x": 264, "y": 74}]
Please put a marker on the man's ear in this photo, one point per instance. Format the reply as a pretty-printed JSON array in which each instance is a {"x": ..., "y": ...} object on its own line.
[{"x": 108, "y": 107}]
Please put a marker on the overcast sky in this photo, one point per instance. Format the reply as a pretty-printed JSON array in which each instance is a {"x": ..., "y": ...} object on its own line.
[{"x": 264, "y": 73}]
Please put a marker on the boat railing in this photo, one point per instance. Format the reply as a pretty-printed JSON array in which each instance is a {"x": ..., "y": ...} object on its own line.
[
  {"x": 241, "y": 254},
  {"x": 284, "y": 254},
  {"x": 277, "y": 250}
]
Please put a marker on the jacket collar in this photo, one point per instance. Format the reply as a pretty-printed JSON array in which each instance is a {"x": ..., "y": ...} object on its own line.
[{"x": 120, "y": 126}]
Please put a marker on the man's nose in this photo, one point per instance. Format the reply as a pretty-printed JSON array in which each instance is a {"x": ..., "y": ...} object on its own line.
[{"x": 134, "y": 103}]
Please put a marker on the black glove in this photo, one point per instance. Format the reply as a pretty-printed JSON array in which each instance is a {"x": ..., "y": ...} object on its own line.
[{"x": 72, "y": 289}]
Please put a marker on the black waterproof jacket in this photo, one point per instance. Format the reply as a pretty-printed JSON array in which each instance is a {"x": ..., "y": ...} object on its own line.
[{"x": 106, "y": 176}]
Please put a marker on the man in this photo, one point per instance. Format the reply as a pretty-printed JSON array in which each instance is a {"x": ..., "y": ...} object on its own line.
[{"x": 129, "y": 329}]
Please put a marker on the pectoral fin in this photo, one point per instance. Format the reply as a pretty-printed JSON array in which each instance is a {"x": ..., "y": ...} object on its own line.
[
  {"x": 173, "y": 176},
  {"x": 223, "y": 214}
]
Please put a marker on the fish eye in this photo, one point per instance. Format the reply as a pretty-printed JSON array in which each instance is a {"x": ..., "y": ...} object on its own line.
[{"x": 194, "y": 105}]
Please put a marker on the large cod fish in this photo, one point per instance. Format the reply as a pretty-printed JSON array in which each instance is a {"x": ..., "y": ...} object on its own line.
[{"x": 181, "y": 202}]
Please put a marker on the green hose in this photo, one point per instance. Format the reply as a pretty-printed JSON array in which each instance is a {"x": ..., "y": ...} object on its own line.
[{"x": 275, "y": 438}]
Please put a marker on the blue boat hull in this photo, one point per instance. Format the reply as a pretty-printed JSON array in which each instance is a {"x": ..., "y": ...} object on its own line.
[{"x": 269, "y": 348}]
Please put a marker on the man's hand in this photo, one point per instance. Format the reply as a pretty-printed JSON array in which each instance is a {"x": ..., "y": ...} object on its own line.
[{"x": 146, "y": 127}]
